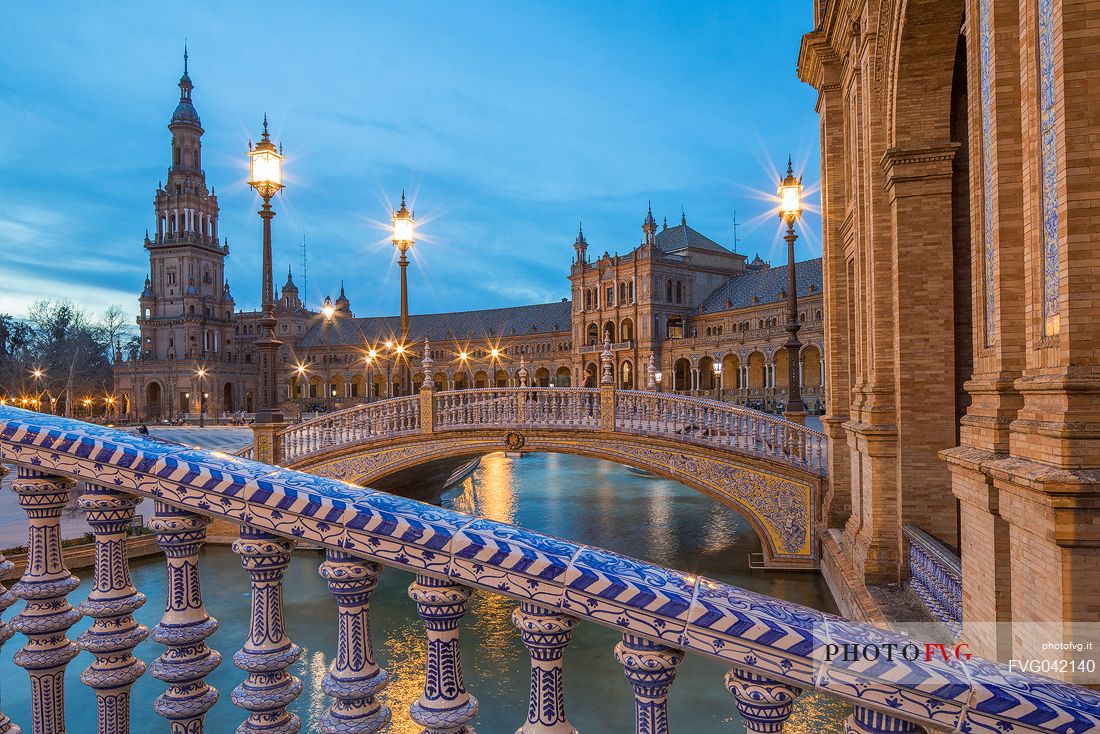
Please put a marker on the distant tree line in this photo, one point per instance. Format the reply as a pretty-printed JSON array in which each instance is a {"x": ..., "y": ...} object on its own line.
[{"x": 60, "y": 355}]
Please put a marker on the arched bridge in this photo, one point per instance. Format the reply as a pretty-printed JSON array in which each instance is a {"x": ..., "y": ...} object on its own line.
[{"x": 768, "y": 469}]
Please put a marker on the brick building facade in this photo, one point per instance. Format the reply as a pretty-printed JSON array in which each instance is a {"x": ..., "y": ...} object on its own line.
[{"x": 959, "y": 189}]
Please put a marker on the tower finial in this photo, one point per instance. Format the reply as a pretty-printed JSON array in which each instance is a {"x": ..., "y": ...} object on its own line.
[
  {"x": 683, "y": 216},
  {"x": 790, "y": 168},
  {"x": 402, "y": 198},
  {"x": 185, "y": 56},
  {"x": 265, "y": 135}
]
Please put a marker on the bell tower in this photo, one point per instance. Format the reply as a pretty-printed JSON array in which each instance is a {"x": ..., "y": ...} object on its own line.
[{"x": 186, "y": 309}]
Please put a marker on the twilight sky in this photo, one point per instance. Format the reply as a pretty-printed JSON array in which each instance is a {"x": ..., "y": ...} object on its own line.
[{"x": 507, "y": 123}]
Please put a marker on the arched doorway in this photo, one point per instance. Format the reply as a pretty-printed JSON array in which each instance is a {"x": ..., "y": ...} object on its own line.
[
  {"x": 593, "y": 335},
  {"x": 500, "y": 379},
  {"x": 481, "y": 379},
  {"x": 562, "y": 378},
  {"x": 626, "y": 330},
  {"x": 542, "y": 377},
  {"x": 782, "y": 370},
  {"x": 609, "y": 332},
  {"x": 707, "y": 379},
  {"x": 227, "y": 398},
  {"x": 461, "y": 381},
  {"x": 681, "y": 374},
  {"x": 154, "y": 394},
  {"x": 731, "y": 372},
  {"x": 626, "y": 375},
  {"x": 756, "y": 371},
  {"x": 591, "y": 375}
]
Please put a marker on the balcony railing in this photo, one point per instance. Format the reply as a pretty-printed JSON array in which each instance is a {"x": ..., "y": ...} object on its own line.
[
  {"x": 616, "y": 347},
  {"x": 775, "y": 649}
]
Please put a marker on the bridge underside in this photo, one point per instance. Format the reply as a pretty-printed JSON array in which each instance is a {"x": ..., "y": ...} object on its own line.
[{"x": 778, "y": 501}]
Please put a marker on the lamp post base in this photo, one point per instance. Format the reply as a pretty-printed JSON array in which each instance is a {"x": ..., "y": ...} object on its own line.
[{"x": 796, "y": 416}]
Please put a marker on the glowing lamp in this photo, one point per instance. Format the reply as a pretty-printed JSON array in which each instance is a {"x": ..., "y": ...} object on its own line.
[
  {"x": 372, "y": 354},
  {"x": 328, "y": 311},
  {"x": 657, "y": 376},
  {"x": 403, "y": 227},
  {"x": 717, "y": 368},
  {"x": 389, "y": 345},
  {"x": 790, "y": 196},
  {"x": 495, "y": 352},
  {"x": 265, "y": 166},
  {"x": 400, "y": 349}
]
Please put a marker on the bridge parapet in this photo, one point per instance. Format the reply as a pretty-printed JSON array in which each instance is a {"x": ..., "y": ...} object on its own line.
[
  {"x": 775, "y": 649},
  {"x": 697, "y": 420}
]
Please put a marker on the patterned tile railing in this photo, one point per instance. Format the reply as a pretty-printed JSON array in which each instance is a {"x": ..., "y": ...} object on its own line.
[
  {"x": 935, "y": 574},
  {"x": 775, "y": 649},
  {"x": 699, "y": 420}
]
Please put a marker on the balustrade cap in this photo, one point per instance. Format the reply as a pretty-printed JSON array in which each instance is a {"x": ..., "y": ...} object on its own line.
[{"x": 767, "y": 636}]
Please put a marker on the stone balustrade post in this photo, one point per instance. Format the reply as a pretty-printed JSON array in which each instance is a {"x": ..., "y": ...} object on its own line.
[
  {"x": 444, "y": 707},
  {"x": 354, "y": 678},
  {"x": 427, "y": 392},
  {"x": 268, "y": 652},
  {"x": 867, "y": 721},
  {"x": 44, "y": 585},
  {"x": 545, "y": 634},
  {"x": 112, "y": 602},
  {"x": 6, "y": 600},
  {"x": 607, "y": 387},
  {"x": 185, "y": 625},
  {"x": 650, "y": 667},
  {"x": 765, "y": 704}
]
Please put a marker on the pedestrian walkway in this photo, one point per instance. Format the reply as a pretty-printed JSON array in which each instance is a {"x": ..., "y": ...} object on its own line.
[{"x": 13, "y": 521}]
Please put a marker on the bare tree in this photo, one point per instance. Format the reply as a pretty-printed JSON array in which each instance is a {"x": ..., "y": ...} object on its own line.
[{"x": 115, "y": 323}]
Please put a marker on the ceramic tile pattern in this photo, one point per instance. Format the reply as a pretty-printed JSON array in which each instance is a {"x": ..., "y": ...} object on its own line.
[{"x": 770, "y": 637}]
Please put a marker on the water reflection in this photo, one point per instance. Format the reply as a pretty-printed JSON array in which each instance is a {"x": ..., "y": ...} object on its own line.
[{"x": 582, "y": 499}]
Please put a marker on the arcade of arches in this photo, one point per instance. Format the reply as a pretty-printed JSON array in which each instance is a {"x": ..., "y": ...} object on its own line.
[{"x": 962, "y": 351}]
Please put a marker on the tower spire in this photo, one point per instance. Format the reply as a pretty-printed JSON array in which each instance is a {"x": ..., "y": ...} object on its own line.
[
  {"x": 649, "y": 226},
  {"x": 185, "y": 56}
]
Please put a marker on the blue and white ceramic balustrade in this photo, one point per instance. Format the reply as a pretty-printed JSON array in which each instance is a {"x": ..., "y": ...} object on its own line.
[{"x": 774, "y": 649}]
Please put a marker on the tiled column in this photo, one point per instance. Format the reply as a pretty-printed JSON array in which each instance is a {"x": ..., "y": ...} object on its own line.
[
  {"x": 185, "y": 624},
  {"x": 112, "y": 602},
  {"x": 6, "y": 600},
  {"x": 765, "y": 704},
  {"x": 866, "y": 721},
  {"x": 445, "y": 707},
  {"x": 545, "y": 634},
  {"x": 650, "y": 667},
  {"x": 268, "y": 652},
  {"x": 354, "y": 679},
  {"x": 44, "y": 586}
]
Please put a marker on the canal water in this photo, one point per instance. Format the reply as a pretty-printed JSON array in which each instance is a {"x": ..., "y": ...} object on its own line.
[{"x": 585, "y": 500}]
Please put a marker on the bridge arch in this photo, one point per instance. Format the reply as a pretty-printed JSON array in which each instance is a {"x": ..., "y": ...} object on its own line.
[{"x": 768, "y": 469}]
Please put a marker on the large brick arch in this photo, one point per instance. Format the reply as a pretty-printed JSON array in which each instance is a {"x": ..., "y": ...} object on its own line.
[{"x": 779, "y": 502}]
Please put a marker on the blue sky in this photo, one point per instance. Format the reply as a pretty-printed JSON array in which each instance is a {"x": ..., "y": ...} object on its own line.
[{"x": 507, "y": 123}]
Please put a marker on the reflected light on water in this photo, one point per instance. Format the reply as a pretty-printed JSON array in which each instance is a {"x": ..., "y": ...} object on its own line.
[{"x": 490, "y": 490}]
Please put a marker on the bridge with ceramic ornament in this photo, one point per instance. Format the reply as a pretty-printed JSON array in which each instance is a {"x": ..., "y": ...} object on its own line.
[
  {"x": 775, "y": 650},
  {"x": 768, "y": 469}
]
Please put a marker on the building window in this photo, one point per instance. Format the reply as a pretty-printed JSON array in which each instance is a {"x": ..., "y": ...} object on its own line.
[
  {"x": 679, "y": 291},
  {"x": 668, "y": 296},
  {"x": 674, "y": 328},
  {"x": 610, "y": 296}
]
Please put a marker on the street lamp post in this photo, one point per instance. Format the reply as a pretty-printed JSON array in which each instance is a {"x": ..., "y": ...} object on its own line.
[
  {"x": 790, "y": 210},
  {"x": 717, "y": 367},
  {"x": 201, "y": 374},
  {"x": 403, "y": 237},
  {"x": 266, "y": 176},
  {"x": 657, "y": 376}
]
